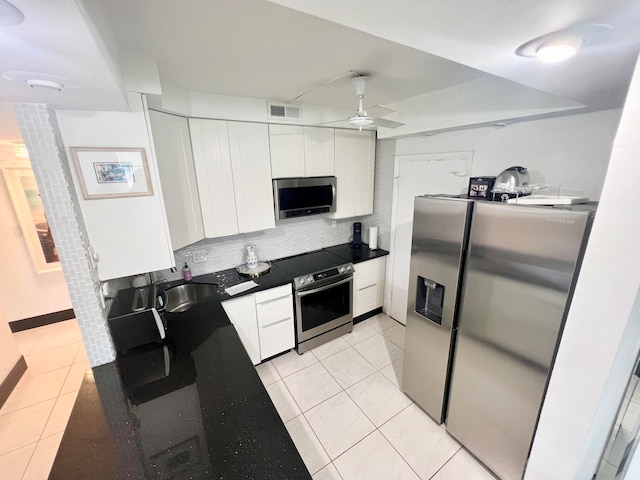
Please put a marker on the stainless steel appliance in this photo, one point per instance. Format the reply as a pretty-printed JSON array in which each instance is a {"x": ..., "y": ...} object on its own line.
[
  {"x": 490, "y": 288},
  {"x": 134, "y": 319},
  {"x": 299, "y": 197},
  {"x": 323, "y": 285}
]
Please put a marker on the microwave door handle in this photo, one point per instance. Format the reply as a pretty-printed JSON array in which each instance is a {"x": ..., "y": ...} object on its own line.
[{"x": 326, "y": 287}]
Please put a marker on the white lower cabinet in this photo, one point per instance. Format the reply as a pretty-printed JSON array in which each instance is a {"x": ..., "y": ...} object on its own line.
[
  {"x": 368, "y": 285},
  {"x": 274, "y": 309},
  {"x": 264, "y": 321},
  {"x": 242, "y": 313}
]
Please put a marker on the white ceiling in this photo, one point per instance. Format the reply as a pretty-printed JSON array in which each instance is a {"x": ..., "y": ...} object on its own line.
[
  {"x": 260, "y": 49},
  {"x": 253, "y": 48},
  {"x": 485, "y": 34}
]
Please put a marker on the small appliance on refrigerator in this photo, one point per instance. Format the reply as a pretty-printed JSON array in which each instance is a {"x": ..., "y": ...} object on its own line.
[{"x": 490, "y": 287}]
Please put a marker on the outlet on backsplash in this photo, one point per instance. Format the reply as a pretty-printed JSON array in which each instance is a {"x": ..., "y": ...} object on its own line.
[{"x": 199, "y": 256}]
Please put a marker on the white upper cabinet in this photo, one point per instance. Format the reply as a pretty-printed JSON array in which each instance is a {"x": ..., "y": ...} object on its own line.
[
  {"x": 287, "y": 151},
  {"x": 250, "y": 162},
  {"x": 301, "y": 151},
  {"x": 354, "y": 170},
  {"x": 178, "y": 177},
  {"x": 319, "y": 153},
  {"x": 128, "y": 234},
  {"x": 212, "y": 157},
  {"x": 234, "y": 176}
]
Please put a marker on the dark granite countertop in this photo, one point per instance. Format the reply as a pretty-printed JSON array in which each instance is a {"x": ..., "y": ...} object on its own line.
[
  {"x": 356, "y": 255},
  {"x": 193, "y": 407}
]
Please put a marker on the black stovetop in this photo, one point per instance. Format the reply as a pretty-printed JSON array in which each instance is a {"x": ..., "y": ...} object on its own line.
[{"x": 309, "y": 263}]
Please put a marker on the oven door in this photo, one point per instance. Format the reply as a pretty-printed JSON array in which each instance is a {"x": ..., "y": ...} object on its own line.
[{"x": 324, "y": 308}]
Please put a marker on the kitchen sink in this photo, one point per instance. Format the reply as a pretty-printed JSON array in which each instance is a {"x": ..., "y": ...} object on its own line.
[{"x": 182, "y": 297}]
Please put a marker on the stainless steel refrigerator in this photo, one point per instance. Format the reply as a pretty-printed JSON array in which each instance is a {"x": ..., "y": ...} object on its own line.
[{"x": 490, "y": 287}]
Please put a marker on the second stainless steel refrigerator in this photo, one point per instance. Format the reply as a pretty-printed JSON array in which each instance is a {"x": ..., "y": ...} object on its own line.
[{"x": 489, "y": 290}]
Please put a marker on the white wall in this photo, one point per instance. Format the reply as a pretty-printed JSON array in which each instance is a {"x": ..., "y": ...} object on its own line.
[
  {"x": 9, "y": 354},
  {"x": 583, "y": 394},
  {"x": 571, "y": 151},
  {"x": 24, "y": 292}
]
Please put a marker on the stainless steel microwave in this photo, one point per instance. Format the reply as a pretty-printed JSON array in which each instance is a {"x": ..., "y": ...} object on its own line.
[{"x": 299, "y": 197}]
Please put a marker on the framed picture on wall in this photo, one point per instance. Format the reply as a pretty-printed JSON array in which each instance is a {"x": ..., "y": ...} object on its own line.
[
  {"x": 25, "y": 196},
  {"x": 112, "y": 172}
]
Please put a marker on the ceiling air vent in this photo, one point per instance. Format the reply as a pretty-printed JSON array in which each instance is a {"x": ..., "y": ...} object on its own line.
[{"x": 284, "y": 111}]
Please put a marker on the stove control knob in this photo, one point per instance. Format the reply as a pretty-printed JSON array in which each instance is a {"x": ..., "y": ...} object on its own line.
[
  {"x": 301, "y": 281},
  {"x": 309, "y": 278},
  {"x": 348, "y": 268},
  {"x": 342, "y": 269}
]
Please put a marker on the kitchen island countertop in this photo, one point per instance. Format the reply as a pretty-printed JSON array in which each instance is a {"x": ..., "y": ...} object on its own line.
[{"x": 192, "y": 407}]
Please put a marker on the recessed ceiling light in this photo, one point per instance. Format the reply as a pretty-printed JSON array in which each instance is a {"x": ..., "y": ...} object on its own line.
[
  {"x": 563, "y": 44},
  {"x": 41, "y": 81},
  {"x": 39, "y": 84},
  {"x": 560, "y": 49},
  {"x": 10, "y": 16}
]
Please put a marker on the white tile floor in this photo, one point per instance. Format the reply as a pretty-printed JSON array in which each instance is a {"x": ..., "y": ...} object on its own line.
[
  {"x": 342, "y": 405},
  {"x": 35, "y": 415},
  {"x": 340, "y": 402}
]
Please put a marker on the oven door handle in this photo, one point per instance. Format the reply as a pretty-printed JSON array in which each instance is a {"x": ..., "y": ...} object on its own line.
[{"x": 326, "y": 287}]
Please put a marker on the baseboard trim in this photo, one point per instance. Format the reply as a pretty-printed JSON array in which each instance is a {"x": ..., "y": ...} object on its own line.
[
  {"x": 41, "y": 320},
  {"x": 14, "y": 376},
  {"x": 364, "y": 316}
]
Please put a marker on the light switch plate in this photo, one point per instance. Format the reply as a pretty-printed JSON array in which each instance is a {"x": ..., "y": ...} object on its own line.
[{"x": 199, "y": 256}]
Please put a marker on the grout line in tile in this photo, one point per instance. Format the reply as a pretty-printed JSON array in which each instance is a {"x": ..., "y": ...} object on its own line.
[
  {"x": 442, "y": 466},
  {"x": 315, "y": 435}
]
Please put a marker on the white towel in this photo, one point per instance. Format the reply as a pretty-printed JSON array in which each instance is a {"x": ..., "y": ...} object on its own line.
[{"x": 241, "y": 287}]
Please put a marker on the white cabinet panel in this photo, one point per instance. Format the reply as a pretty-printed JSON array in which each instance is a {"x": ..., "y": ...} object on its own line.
[
  {"x": 276, "y": 328},
  {"x": 242, "y": 313},
  {"x": 354, "y": 169},
  {"x": 178, "y": 177},
  {"x": 368, "y": 285},
  {"x": 129, "y": 235},
  {"x": 319, "y": 154},
  {"x": 287, "y": 151},
  {"x": 212, "y": 157},
  {"x": 250, "y": 161},
  {"x": 301, "y": 151}
]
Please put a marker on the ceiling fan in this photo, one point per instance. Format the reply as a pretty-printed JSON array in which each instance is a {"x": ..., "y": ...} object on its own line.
[{"x": 362, "y": 119}]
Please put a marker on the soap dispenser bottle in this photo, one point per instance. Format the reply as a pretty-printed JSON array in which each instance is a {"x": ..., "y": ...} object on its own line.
[{"x": 186, "y": 273}]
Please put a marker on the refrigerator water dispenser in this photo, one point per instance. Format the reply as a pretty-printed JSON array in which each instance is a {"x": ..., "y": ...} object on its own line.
[{"x": 429, "y": 299}]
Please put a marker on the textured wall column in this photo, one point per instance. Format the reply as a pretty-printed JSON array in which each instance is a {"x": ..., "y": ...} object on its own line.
[{"x": 51, "y": 168}]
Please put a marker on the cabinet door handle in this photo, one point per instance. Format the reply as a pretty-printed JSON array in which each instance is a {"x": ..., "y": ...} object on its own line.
[
  {"x": 368, "y": 286},
  {"x": 275, "y": 321},
  {"x": 267, "y": 302}
]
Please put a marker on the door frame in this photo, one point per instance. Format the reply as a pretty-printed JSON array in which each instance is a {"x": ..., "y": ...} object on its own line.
[{"x": 391, "y": 261}]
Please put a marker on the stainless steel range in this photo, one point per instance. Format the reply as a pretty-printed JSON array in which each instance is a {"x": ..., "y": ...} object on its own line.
[{"x": 323, "y": 297}]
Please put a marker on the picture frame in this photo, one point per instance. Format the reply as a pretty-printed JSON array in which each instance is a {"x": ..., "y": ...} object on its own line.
[
  {"x": 25, "y": 197},
  {"x": 112, "y": 172}
]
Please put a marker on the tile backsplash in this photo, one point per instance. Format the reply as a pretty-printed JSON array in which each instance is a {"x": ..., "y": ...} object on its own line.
[{"x": 48, "y": 159}]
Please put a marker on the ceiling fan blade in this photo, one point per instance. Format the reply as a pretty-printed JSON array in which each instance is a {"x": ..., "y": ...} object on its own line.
[
  {"x": 379, "y": 110},
  {"x": 382, "y": 122}
]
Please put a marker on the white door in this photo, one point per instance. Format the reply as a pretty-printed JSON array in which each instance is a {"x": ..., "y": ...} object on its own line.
[
  {"x": 319, "y": 152},
  {"x": 446, "y": 173}
]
